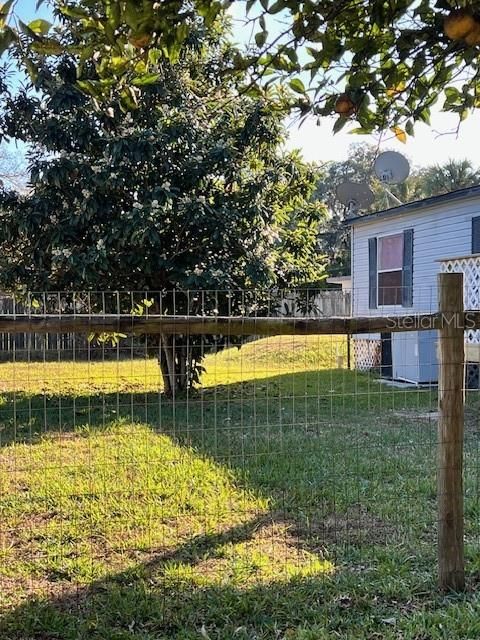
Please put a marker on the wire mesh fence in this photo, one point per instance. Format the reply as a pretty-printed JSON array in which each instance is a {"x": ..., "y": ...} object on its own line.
[
  {"x": 213, "y": 485},
  {"x": 30, "y": 345}
]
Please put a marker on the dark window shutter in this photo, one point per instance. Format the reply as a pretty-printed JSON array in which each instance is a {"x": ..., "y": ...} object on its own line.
[
  {"x": 407, "y": 271},
  {"x": 476, "y": 235},
  {"x": 372, "y": 273}
]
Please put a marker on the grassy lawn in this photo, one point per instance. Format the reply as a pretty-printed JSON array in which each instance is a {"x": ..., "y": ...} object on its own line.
[{"x": 284, "y": 499}]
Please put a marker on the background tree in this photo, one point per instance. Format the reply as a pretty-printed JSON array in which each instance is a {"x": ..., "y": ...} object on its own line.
[
  {"x": 187, "y": 191},
  {"x": 454, "y": 174}
]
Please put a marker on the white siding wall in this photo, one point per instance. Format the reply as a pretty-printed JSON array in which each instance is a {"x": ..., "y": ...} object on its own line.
[{"x": 441, "y": 231}]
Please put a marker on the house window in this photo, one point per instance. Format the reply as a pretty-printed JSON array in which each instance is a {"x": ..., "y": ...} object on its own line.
[
  {"x": 390, "y": 270},
  {"x": 390, "y": 266}
]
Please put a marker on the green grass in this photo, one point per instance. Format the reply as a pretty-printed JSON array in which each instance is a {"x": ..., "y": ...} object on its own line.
[{"x": 284, "y": 499}]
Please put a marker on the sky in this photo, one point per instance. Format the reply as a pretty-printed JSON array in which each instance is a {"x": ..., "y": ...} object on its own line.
[
  {"x": 26, "y": 10},
  {"x": 431, "y": 145}
]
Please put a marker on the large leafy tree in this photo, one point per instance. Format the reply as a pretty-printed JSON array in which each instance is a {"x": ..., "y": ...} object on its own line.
[
  {"x": 382, "y": 64},
  {"x": 187, "y": 191}
]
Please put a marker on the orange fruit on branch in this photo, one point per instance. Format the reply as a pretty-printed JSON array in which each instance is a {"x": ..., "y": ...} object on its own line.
[
  {"x": 344, "y": 105},
  {"x": 473, "y": 37},
  {"x": 458, "y": 24},
  {"x": 140, "y": 40}
]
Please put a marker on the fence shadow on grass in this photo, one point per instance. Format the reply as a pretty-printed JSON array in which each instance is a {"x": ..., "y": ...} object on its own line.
[{"x": 290, "y": 400}]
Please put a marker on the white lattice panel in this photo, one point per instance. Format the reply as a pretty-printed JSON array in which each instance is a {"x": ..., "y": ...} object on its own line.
[
  {"x": 367, "y": 353},
  {"x": 470, "y": 267}
]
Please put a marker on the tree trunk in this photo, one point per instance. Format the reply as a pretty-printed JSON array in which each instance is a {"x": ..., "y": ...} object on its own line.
[
  {"x": 162, "y": 362},
  {"x": 175, "y": 365},
  {"x": 169, "y": 364},
  {"x": 182, "y": 368}
]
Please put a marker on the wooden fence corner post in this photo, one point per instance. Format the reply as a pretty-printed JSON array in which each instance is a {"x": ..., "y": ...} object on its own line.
[{"x": 451, "y": 569}]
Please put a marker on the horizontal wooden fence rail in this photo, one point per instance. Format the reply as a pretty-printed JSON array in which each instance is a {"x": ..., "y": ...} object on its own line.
[{"x": 220, "y": 325}]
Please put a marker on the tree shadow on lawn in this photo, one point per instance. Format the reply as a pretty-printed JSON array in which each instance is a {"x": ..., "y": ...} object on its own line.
[
  {"x": 309, "y": 401},
  {"x": 329, "y": 475},
  {"x": 321, "y": 443}
]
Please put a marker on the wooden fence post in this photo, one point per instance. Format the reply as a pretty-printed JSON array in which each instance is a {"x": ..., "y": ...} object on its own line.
[{"x": 451, "y": 570}]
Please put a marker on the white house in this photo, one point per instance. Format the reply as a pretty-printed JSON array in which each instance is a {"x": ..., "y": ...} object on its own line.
[{"x": 396, "y": 256}]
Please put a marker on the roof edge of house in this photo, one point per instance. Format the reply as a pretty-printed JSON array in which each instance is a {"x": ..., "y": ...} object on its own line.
[{"x": 417, "y": 205}]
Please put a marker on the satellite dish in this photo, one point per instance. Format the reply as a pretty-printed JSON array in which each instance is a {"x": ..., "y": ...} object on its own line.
[
  {"x": 391, "y": 167},
  {"x": 355, "y": 195}
]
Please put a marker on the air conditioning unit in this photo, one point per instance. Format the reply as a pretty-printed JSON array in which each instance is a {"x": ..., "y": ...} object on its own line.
[{"x": 414, "y": 356}]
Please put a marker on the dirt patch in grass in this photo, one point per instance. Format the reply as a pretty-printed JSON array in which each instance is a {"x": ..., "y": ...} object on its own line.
[
  {"x": 472, "y": 423},
  {"x": 20, "y": 589}
]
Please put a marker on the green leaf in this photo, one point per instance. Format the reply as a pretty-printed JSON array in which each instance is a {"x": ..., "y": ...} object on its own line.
[
  {"x": 292, "y": 55},
  {"x": 359, "y": 131},
  {"x": 89, "y": 86},
  {"x": 32, "y": 69},
  {"x": 4, "y": 11},
  {"x": 453, "y": 95},
  {"x": 128, "y": 100},
  {"x": 277, "y": 6},
  {"x": 297, "y": 85},
  {"x": 41, "y": 27},
  {"x": 261, "y": 38},
  {"x": 149, "y": 78},
  {"x": 424, "y": 115},
  {"x": 47, "y": 47},
  {"x": 208, "y": 10},
  {"x": 117, "y": 64},
  {"x": 74, "y": 12},
  {"x": 113, "y": 12},
  {"x": 7, "y": 37},
  {"x": 5, "y": 8},
  {"x": 27, "y": 31},
  {"x": 339, "y": 124},
  {"x": 409, "y": 128}
]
